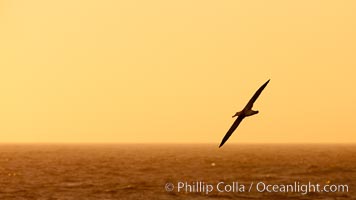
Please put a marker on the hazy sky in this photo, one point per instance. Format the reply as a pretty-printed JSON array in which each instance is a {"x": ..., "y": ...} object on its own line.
[{"x": 176, "y": 71}]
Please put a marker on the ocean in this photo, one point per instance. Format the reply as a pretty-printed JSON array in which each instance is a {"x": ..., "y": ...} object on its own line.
[{"x": 177, "y": 171}]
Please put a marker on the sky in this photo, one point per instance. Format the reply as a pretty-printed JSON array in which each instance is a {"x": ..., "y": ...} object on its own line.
[{"x": 162, "y": 71}]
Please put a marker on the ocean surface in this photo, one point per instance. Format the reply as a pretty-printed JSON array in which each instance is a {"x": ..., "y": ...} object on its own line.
[{"x": 175, "y": 171}]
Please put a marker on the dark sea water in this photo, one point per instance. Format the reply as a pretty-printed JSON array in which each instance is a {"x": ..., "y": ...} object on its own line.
[{"x": 145, "y": 171}]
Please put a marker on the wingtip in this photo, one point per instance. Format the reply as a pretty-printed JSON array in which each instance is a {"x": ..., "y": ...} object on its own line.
[{"x": 221, "y": 144}]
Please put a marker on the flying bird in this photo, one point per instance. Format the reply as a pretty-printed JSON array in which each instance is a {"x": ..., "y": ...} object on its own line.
[{"x": 246, "y": 112}]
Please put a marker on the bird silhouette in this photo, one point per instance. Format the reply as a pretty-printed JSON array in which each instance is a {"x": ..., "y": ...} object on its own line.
[{"x": 246, "y": 112}]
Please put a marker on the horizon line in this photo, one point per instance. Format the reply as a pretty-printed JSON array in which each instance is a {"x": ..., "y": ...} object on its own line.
[{"x": 185, "y": 143}]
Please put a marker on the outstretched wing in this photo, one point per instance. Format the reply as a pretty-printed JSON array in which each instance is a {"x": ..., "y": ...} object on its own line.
[
  {"x": 232, "y": 129},
  {"x": 255, "y": 96}
]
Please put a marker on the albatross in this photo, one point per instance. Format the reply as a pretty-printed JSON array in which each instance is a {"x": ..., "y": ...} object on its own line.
[{"x": 246, "y": 112}]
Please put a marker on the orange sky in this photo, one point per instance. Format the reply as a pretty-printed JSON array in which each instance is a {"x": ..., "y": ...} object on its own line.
[{"x": 176, "y": 71}]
